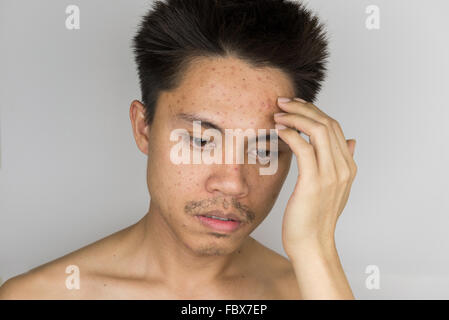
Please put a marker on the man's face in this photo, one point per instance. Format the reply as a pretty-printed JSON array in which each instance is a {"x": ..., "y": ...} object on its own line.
[{"x": 232, "y": 95}]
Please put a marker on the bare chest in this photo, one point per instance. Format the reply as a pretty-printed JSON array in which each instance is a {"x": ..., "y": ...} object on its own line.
[{"x": 244, "y": 290}]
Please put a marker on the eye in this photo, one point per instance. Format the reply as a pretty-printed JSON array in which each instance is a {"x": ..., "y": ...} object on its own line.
[
  {"x": 264, "y": 155},
  {"x": 198, "y": 142}
]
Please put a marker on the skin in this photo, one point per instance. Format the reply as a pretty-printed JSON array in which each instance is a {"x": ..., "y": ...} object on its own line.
[
  {"x": 168, "y": 254},
  {"x": 327, "y": 172}
]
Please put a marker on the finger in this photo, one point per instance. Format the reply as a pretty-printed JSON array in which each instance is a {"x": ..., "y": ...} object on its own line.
[
  {"x": 337, "y": 129},
  {"x": 349, "y": 185},
  {"x": 304, "y": 151},
  {"x": 343, "y": 167},
  {"x": 341, "y": 164},
  {"x": 297, "y": 106},
  {"x": 345, "y": 197},
  {"x": 351, "y": 146},
  {"x": 307, "y": 109},
  {"x": 343, "y": 159},
  {"x": 319, "y": 138},
  {"x": 345, "y": 149}
]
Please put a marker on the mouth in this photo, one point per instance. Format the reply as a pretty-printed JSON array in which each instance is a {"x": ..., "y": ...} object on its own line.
[{"x": 219, "y": 221}]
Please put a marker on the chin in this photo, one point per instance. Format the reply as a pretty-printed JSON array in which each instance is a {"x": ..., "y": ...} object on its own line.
[{"x": 211, "y": 247}]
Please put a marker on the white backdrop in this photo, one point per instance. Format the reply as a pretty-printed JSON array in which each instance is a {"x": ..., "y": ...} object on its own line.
[{"x": 71, "y": 174}]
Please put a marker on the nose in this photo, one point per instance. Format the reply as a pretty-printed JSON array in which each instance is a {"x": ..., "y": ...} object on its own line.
[{"x": 228, "y": 180}]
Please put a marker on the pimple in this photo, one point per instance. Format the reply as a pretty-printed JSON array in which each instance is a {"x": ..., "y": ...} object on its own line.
[
  {"x": 266, "y": 105},
  {"x": 212, "y": 86}
]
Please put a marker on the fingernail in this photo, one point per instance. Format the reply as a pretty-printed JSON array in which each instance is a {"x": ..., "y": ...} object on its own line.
[
  {"x": 284, "y": 100},
  {"x": 280, "y": 126},
  {"x": 280, "y": 114},
  {"x": 300, "y": 100}
]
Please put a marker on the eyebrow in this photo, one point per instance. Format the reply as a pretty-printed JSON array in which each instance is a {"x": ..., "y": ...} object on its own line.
[
  {"x": 190, "y": 117},
  {"x": 206, "y": 123}
]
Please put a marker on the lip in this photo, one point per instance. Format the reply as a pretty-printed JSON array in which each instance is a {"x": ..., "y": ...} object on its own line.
[
  {"x": 219, "y": 225},
  {"x": 221, "y": 214}
]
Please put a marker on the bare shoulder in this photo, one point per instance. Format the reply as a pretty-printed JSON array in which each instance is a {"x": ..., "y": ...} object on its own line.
[
  {"x": 43, "y": 282},
  {"x": 282, "y": 273},
  {"x": 19, "y": 287},
  {"x": 59, "y": 278}
]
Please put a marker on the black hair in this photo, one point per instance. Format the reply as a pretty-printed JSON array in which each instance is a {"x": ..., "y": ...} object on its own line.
[{"x": 280, "y": 34}]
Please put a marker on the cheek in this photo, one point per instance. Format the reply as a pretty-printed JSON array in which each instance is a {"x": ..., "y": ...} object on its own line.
[
  {"x": 270, "y": 185},
  {"x": 267, "y": 187},
  {"x": 186, "y": 178},
  {"x": 170, "y": 178},
  {"x": 284, "y": 165}
]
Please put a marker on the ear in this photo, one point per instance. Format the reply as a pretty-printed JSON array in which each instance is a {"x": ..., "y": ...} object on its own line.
[
  {"x": 140, "y": 127},
  {"x": 351, "y": 146}
]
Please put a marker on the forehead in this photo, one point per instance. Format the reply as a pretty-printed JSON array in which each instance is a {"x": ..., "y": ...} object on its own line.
[{"x": 228, "y": 88}]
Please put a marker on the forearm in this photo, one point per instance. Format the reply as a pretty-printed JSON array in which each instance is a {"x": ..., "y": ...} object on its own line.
[{"x": 320, "y": 274}]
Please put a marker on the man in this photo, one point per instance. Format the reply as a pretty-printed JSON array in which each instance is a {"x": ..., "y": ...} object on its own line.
[{"x": 224, "y": 63}]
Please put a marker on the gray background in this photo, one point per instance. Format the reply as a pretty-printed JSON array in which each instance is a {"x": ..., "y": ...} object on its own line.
[{"x": 71, "y": 173}]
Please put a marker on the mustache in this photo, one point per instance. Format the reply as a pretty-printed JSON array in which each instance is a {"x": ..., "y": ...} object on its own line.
[{"x": 220, "y": 203}]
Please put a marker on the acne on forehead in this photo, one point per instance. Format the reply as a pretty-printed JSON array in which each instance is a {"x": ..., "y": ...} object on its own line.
[
  {"x": 234, "y": 67},
  {"x": 230, "y": 84}
]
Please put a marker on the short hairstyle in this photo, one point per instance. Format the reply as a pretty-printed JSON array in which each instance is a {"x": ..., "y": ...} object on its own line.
[{"x": 279, "y": 34}]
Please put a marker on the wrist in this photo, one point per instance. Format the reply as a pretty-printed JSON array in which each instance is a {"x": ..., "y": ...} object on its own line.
[
  {"x": 319, "y": 271},
  {"x": 313, "y": 248}
]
